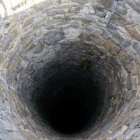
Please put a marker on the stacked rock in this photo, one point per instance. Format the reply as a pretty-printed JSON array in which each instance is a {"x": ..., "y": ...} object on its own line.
[{"x": 83, "y": 52}]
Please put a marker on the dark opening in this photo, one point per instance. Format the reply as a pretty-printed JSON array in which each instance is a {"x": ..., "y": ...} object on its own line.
[{"x": 68, "y": 98}]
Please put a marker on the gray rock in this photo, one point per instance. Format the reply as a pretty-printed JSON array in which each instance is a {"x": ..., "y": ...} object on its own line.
[
  {"x": 5, "y": 41},
  {"x": 53, "y": 37},
  {"x": 136, "y": 46},
  {"x": 101, "y": 34}
]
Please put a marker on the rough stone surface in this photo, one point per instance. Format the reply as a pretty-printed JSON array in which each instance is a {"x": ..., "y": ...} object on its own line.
[{"x": 106, "y": 32}]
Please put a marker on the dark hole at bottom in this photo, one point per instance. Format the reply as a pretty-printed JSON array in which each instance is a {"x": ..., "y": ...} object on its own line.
[
  {"x": 68, "y": 115},
  {"x": 69, "y": 102}
]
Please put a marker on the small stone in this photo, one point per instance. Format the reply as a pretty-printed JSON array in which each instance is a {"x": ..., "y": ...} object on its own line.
[
  {"x": 106, "y": 3},
  {"x": 135, "y": 4},
  {"x": 10, "y": 131},
  {"x": 1, "y": 58},
  {"x": 119, "y": 20},
  {"x": 24, "y": 63},
  {"x": 73, "y": 9},
  {"x": 53, "y": 37},
  {"x": 7, "y": 24},
  {"x": 134, "y": 31},
  {"x": 118, "y": 133},
  {"x": 80, "y": 1},
  {"x": 5, "y": 41},
  {"x": 72, "y": 32},
  {"x": 37, "y": 50},
  {"x": 129, "y": 82},
  {"x": 88, "y": 9},
  {"x": 130, "y": 133},
  {"x": 100, "y": 14},
  {"x": 126, "y": 43},
  {"x": 136, "y": 47},
  {"x": 134, "y": 81},
  {"x": 59, "y": 11},
  {"x": 28, "y": 22}
]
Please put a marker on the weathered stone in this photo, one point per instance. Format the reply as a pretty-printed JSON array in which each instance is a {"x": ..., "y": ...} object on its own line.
[
  {"x": 74, "y": 9},
  {"x": 118, "y": 133},
  {"x": 132, "y": 68},
  {"x": 87, "y": 9},
  {"x": 100, "y": 14},
  {"x": 81, "y": 1},
  {"x": 106, "y": 4},
  {"x": 112, "y": 48},
  {"x": 122, "y": 9},
  {"x": 5, "y": 41},
  {"x": 1, "y": 58},
  {"x": 136, "y": 46},
  {"x": 125, "y": 43},
  {"x": 99, "y": 37},
  {"x": 119, "y": 20},
  {"x": 53, "y": 37},
  {"x": 28, "y": 22},
  {"x": 134, "y": 31},
  {"x": 134, "y": 4},
  {"x": 38, "y": 50},
  {"x": 72, "y": 32}
]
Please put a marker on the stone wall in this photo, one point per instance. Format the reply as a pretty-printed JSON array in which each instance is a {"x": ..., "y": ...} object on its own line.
[{"x": 106, "y": 32}]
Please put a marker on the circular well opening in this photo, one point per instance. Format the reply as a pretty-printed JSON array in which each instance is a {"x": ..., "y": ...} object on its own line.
[
  {"x": 71, "y": 93},
  {"x": 68, "y": 98}
]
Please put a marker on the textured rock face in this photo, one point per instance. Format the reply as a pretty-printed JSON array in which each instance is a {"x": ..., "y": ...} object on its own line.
[{"x": 88, "y": 36}]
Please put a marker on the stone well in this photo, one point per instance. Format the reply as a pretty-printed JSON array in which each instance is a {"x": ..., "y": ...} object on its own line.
[{"x": 70, "y": 70}]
